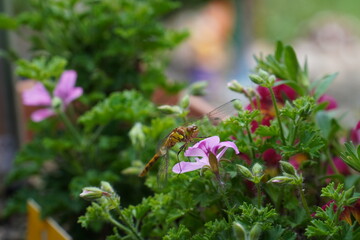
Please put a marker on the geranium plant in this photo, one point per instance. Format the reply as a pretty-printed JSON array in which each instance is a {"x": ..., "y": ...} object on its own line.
[{"x": 289, "y": 175}]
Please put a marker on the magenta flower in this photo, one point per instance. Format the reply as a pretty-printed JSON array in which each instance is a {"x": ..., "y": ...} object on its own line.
[
  {"x": 332, "y": 103},
  {"x": 340, "y": 165},
  {"x": 65, "y": 91},
  {"x": 271, "y": 157},
  {"x": 355, "y": 134},
  {"x": 202, "y": 150}
]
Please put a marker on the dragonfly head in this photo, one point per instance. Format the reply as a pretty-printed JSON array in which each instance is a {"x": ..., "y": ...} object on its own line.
[{"x": 193, "y": 130}]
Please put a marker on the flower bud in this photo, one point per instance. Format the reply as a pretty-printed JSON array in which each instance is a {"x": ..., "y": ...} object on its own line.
[
  {"x": 92, "y": 193},
  {"x": 256, "y": 79},
  {"x": 349, "y": 193},
  {"x": 198, "y": 88},
  {"x": 235, "y": 86},
  {"x": 137, "y": 135},
  {"x": 185, "y": 101},
  {"x": 288, "y": 168},
  {"x": 280, "y": 179},
  {"x": 271, "y": 80},
  {"x": 167, "y": 109},
  {"x": 257, "y": 169},
  {"x": 239, "y": 231},
  {"x": 106, "y": 187},
  {"x": 264, "y": 74},
  {"x": 251, "y": 92},
  {"x": 56, "y": 103},
  {"x": 244, "y": 171},
  {"x": 237, "y": 105},
  {"x": 255, "y": 232},
  {"x": 214, "y": 164}
]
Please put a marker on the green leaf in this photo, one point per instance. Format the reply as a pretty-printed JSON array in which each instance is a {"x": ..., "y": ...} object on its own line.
[
  {"x": 291, "y": 63},
  {"x": 351, "y": 156},
  {"x": 323, "y": 84},
  {"x": 327, "y": 125},
  {"x": 128, "y": 106},
  {"x": 279, "y": 51}
]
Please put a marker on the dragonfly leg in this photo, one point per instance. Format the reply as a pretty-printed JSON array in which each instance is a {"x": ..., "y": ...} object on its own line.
[
  {"x": 199, "y": 137},
  {"x": 180, "y": 150}
]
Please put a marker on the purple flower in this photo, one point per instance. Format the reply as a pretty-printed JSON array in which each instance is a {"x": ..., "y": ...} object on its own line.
[
  {"x": 202, "y": 150},
  {"x": 65, "y": 91}
]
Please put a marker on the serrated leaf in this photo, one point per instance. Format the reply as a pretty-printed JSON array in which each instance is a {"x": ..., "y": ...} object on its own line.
[{"x": 127, "y": 105}]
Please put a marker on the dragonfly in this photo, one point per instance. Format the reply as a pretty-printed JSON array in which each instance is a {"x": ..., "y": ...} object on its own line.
[{"x": 186, "y": 135}]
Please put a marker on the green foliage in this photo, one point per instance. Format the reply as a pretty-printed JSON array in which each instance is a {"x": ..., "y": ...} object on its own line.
[
  {"x": 250, "y": 215},
  {"x": 41, "y": 68},
  {"x": 112, "y": 140},
  {"x": 284, "y": 65},
  {"x": 342, "y": 198},
  {"x": 351, "y": 155},
  {"x": 127, "y": 106},
  {"x": 181, "y": 233},
  {"x": 114, "y": 51},
  {"x": 327, "y": 222},
  {"x": 7, "y": 22},
  {"x": 221, "y": 205}
]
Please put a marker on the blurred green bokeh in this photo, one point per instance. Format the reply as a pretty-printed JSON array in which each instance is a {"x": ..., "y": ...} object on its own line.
[{"x": 287, "y": 20}]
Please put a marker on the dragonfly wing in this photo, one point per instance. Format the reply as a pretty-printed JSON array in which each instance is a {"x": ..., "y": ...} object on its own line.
[
  {"x": 163, "y": 170},
  {"x": 222, "y": 112}
]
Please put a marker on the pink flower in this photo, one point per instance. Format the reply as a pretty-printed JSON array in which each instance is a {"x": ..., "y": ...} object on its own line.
[
  {"x": 355, "y": 134},
  {"x": 65, "y": 91},
  {"x": 340, "y": 165},
  {"x": 332, "y": 103},
  {"x": 282, "y": 93},
  {"x": 202, "y": 150}
]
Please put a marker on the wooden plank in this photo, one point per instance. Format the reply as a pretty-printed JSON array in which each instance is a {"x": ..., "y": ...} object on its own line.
[{"x": 39, "y": 229}]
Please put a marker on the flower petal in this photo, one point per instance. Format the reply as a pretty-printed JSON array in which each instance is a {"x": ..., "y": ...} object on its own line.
[
  {"x": 210, "y": 141},
  {"x": 183, "y": 167},
  {"x": 66, "y": 84},
  {"x": 332, "y": 103},
  {"x": 194, "y": 152},
  {"x": 226, "y": 145},
  {"x": 207, "y": 144},
  {"x": 41, "y": 114},
  {"x": 73, "y": 94},
  {"x": 36, "y": 96}
]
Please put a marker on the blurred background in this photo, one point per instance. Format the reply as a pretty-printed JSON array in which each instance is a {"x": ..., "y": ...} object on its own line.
[{"x": 223, "y": 37}]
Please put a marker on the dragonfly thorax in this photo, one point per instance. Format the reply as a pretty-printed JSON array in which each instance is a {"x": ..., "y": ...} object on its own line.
[{"x": 192, "y": 131}]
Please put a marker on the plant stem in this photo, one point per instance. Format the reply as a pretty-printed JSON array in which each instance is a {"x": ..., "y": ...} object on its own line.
[
  {"x": 331, "y": 161},
  {"x": 277, "y": 115},
  {"x": 117, "y": 224},
  {"x": 122, "y": 217},
  {"x": 258, "y": 103},
  {"x": 252, "y": 151},
  {"x": 222, "y": 192},
  {"x": 303, "y": 200},
  {"x": 97, "y": 133},
  {"x": 250, "y": 100},
  {"x": 258, "y": 187},
  {"x": 70, "y": 126},
  {"x": 294, "y": 133}
]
